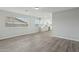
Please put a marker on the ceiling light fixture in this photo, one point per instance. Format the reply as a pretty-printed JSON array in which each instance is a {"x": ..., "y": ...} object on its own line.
[{"x": 36, "y": 8}]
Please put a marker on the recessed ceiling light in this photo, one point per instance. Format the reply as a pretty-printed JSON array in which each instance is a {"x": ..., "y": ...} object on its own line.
[{"x": 36, "y": 8}]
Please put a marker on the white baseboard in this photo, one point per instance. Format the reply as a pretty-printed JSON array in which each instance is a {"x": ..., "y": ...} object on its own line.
[
  {"x": 67, "y": 38},
  {"x": 2, "y": 38},
  {"x": 7, "y": 37}
]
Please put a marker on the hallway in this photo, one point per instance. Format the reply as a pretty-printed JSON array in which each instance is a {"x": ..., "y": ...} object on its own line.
[{"x": 39, "y": 42}]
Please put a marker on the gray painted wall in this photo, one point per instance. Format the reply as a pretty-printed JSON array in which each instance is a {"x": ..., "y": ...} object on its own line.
[
  {"x": 7, "y": 32},
  {"x": 66, "y": 24}
]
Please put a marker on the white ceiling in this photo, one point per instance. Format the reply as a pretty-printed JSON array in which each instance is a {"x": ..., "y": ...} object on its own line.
[{"x": 30, "y": 9}]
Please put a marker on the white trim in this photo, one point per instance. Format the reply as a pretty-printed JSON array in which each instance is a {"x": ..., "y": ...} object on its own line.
[{"x": 66, "y": 38}]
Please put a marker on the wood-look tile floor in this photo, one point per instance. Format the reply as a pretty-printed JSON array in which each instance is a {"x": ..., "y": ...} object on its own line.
[{"x": 41, "y": 42}]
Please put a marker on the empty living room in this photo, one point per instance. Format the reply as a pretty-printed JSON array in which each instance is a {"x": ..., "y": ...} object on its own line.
[{"x": 39, "y": 29}]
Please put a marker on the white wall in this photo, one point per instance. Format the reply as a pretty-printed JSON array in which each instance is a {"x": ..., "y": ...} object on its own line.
[
  {"x": 7, "y": 32},
  {"x": 66, "y": 24}
]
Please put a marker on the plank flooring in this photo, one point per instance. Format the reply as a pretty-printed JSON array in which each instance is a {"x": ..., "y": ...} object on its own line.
[{"x": 40, "y": 42}]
